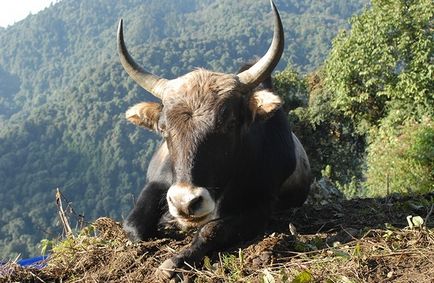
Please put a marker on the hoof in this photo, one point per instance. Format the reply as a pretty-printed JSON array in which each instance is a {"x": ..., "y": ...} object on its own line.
[
  {"x": 166, "y": 271},
  {"x": 131, "y": 232}
]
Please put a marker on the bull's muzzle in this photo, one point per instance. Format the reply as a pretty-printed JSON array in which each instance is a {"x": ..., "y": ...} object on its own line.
[{"x": 189, "y": 203}]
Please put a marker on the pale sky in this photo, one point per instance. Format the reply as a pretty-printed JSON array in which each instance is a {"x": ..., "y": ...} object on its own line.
[{"x": 12, "y": 11}]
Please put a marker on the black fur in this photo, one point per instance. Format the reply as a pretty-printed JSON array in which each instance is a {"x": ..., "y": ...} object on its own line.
[{"x": 265, "y": 159}]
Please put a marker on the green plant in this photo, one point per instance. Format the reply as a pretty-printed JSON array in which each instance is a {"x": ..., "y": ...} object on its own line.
[
  {"x": 384, "y": 63},
  {"x": 401, "y": 159},
  {"x": 232, "y": 266}
]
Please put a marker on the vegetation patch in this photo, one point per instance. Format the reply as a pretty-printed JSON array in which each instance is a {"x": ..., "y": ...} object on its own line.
[{"x": 360, "y": 240}]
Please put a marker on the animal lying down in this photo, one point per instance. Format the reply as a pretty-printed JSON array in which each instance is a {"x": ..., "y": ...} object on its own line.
[{"x": 227, "y": 158}]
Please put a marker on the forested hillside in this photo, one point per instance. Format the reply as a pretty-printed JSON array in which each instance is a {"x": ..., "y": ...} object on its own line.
[{"x": 63, "y": 93}]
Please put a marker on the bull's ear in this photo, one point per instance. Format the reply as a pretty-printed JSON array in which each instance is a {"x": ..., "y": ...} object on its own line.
[
  {"x": 264, "y": 103},
  {"x": 145, "y": 114}
]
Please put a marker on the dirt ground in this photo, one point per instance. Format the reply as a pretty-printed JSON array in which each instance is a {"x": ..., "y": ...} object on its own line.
[{"x": 358, "y": 240}]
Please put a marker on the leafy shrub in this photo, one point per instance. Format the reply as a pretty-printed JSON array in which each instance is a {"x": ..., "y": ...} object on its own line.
[
  {"x": 379, "y": 75},
  {"x": 292, "y": 88},
  {"x": 401, "y": 159},
  {"x": 386, "y": 57}
]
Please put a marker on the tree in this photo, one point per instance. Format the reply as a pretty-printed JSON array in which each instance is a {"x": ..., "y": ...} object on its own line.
[
  {"x": 381, "y": 75},
  {"x": 384, "y": 63}
]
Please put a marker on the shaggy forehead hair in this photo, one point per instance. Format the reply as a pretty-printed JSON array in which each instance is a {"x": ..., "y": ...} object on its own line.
[
  {"x": 191, "y": 105},
  {"x": 195, "y": 97},
  {"x": 200, "y": 89}
]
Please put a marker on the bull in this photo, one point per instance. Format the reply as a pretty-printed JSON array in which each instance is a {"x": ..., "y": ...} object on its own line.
[{"x": 227, "y": 158}]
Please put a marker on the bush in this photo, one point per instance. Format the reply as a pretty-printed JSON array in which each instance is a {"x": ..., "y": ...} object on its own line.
[{"x": 401, "y": 159}]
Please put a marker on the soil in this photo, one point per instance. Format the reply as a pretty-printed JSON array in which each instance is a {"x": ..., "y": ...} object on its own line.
[{"x": 357, "y": 240}]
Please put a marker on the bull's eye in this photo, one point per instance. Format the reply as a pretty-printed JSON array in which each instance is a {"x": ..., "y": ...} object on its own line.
[
  {"x": 164, "y": 134},
  {"x": 232, "y": 124},
  {"x": 162, "y": 129}
]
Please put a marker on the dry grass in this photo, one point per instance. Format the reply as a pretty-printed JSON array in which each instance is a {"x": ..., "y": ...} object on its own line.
[{"x": 337, "y": 242}]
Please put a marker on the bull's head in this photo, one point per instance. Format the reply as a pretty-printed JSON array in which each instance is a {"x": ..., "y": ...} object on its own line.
[{"x": 203, "y": 116}]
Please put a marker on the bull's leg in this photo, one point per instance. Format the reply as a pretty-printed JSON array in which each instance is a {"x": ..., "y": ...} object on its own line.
[
  {"x": 143, "y": 220},
  {"x": 216, "y": 235}
]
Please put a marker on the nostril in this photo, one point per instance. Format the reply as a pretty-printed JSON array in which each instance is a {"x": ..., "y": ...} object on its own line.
[{"x": 194, "y": 205}]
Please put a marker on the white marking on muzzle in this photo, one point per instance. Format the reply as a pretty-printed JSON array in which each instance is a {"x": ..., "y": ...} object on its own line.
[{"x": 190, "y": 204}]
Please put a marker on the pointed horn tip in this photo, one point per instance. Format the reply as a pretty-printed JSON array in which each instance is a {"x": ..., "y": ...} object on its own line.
[
  {"x": 273, "y": 7},
  {"x": 269, "y": 61},
  {"x": 120, "y": 25}
]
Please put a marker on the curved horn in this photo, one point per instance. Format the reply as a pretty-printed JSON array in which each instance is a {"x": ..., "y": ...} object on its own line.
[
  {"x": 257, "y": 73},
  {"x": 151, "y": 83}
]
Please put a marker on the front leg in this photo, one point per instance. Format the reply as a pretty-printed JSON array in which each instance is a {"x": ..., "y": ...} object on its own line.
[
  {"x": 215, "y": 235},
  {"x": 143, "y": 220}
]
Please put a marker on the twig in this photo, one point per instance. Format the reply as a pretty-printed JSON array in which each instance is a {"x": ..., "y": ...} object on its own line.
[
  {"x": 400, "y": 253},
  {"x": 66, "y": 228},
  {"x": 388, "y": 184},
  {"x": 428, "y": 215},
  {"x": 37, "y": 277},
  {"x": 80, "y": 217},
  {"x": 135, "y": 263}
]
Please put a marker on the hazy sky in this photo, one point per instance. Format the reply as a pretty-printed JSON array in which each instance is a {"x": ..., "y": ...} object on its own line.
[{"x": 12, "y": 11}]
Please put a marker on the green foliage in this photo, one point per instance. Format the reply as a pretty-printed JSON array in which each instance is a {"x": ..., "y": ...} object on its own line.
[
  {"x": 229, "y": 266},
  {"x": 381, "y": 77},
  {"x": 291, "y": 87},
  {"x": 402, "y": 159},
  {"x": 46, "y": 245},
  {"x": 351, "y": 189},
  {"x": 384, "y": 62},
  {"x": 422, "y": 146},
  {"x": 232, "y": 266},
  {"x": 303, "y": 277}
]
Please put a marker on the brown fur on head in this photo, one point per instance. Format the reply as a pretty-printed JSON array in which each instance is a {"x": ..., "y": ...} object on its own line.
[{"x": 199, "y": 94}]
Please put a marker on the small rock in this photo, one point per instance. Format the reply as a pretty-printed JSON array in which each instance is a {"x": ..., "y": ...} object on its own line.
[
  {"x": 323, "y": 192},
  {"x": 265, "y": 256}
]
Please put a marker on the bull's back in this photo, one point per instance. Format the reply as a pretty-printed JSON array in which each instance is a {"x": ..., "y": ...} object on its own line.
[
  {"x": 295, "y": 189},
  {"x": 282, "y": 166}
]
